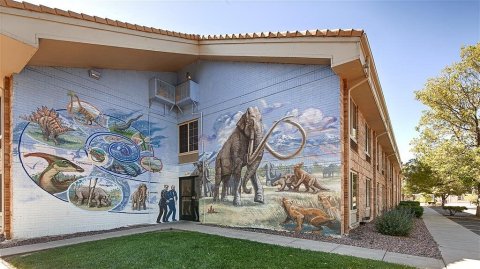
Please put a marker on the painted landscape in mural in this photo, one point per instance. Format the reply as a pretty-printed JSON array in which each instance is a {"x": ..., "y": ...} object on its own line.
[
  {"x": 282, "y": 173},
  {"x": 92, "y": 160}
]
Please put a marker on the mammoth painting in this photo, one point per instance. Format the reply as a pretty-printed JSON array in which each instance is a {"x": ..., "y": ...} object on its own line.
[{"x": 245, "y": 147}]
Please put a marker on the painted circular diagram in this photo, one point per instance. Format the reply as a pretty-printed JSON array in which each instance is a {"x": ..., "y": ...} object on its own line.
[{"x": 62, "y": 150}]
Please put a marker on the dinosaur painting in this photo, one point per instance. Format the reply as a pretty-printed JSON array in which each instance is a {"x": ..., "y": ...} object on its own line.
[
  {"x": 119, "y": 127},
  {"x": 49, "y": 122},
  {"x": 88, "y": 116},
  {"x": 47, "y": 178}
]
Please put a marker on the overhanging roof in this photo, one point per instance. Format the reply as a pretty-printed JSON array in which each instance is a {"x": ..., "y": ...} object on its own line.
[{"x": 54, "y": 37}]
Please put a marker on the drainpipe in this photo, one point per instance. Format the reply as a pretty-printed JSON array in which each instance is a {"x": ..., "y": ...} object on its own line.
[
  {"x": 202, "y": 152},
  {"x": 356, "y": 85}
]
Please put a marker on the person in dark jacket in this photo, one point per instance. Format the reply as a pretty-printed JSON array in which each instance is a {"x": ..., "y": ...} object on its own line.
[
  {"x": 196, "y": 215},
  {"x": 163, "y": 205},
  {"x": 172, "y": 198}
]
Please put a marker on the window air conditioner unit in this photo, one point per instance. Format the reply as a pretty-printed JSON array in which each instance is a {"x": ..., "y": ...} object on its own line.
[
  {"x": 162, "y": 91},
  {"x": 186, "y": 93}
]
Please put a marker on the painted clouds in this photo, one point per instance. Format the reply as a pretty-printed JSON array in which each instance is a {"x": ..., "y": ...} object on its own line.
[
  {"x": 224, "y": 126},
  {"x": 322, "y": 132}
]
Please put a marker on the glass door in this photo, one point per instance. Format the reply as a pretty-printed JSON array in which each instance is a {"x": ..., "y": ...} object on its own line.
[
  {"x": 353, "y": 198},
  {"x": 188, "y": 199}
]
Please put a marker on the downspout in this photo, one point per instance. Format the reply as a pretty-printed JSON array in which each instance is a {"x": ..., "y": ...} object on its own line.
[
  {"x": 375, "y": 168},
  {"x": 2, "y": 209},
  {"x": 348, "y": 162},
  {"x": 201, "y": 152}
]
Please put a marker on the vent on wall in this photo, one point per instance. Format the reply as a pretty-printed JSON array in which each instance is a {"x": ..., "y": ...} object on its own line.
[
  {"x": 173, "y": 96},
  {"x": 162, "y": 92},
  {"x": 186, "y": 93}
]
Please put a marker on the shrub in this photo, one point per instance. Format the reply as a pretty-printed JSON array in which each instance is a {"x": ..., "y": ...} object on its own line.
[
  {"x": 415, "y": 203},
  {"x": 397, "y": 222},
  {"x": 414, "y": 209},
  {"x": 454, "y": 209}
]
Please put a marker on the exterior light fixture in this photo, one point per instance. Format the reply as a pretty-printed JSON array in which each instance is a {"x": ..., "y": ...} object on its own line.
[
  {"x": 188, "y": 76},
  {"x": 94, "y": 74}
]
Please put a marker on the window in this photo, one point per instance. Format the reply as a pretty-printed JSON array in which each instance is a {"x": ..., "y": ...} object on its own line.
[
  {"x": 368, "y": 144},
  {"x": 367, "y": 192},
  {"x": 353, "y": 190},
  {"x": 188, "y": 137},
  {"x": 353, "y": 121},
  {"x": 391, "y": 171}
]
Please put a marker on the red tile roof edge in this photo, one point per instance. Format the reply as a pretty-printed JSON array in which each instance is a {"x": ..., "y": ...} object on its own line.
[{"x": 71, "y": 14}]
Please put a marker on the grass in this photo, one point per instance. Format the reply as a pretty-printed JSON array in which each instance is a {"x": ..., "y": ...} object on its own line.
[{"x": 179, "y": 249}]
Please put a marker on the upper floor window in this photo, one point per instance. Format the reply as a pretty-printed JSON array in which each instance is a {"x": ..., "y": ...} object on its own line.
[
  {"x": 188, "y": 136},
  {"x": 353, "y": 121},
  {"x": 368, "y": 139}
]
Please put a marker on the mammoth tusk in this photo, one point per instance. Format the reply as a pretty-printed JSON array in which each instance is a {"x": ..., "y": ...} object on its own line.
[
  {"x": 302, "y": 144},
  {"x": 252, "y": 156}
]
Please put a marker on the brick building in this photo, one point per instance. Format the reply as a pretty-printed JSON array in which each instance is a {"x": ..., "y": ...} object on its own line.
[{"x": 99, "y": 117}]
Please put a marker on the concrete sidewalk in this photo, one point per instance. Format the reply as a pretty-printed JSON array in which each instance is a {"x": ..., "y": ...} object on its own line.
[
  {"x": 374, "y": 254},
  {"x": 460, "y": 247}
]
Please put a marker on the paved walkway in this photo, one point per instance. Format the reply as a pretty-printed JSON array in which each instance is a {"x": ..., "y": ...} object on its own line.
[
  {"x": 465, "y": 219},
  {"x": 460, "y": 247}
]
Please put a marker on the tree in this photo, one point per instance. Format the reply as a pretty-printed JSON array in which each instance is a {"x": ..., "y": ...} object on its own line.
[
  {"x": 450, "y": 126},
  {"x": 421, "y": 178}
]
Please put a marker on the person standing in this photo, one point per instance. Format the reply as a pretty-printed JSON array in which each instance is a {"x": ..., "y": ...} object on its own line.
[
  {"x": 163, "y": 205},
  {"x": 196, "y": 216},
  {"x": 172, "y": 203}
]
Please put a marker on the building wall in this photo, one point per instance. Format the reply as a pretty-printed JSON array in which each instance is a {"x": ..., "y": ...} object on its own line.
[
  {"x": 94, "y": 146},
  {"x": 384, "y": 191},
  {"x": 96, "y": 149},
  {"x": 365, "y": 169},
  {"x": 310, "y": 93}
]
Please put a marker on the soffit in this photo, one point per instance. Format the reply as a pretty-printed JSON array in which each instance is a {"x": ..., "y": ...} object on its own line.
[{"x": 82, "y": 55}]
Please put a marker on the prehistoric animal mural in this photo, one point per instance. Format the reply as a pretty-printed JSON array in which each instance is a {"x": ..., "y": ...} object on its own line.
[
  {"x": 285, "y": 181},
  {"x": 201, "y": 170},
  {"x": 49, "y": 122},
  {"x": 292, "y": 169},
  {"x": 244, "y": 148},
  {"x": 303, "y": 177},
  {"x": 94, "y": 161},
  {"x": 139, "y": 197},
  {"x": 49, "y": 179},
  {"x": 271, "y": 174},
  {"x": 298, "y": 214}
]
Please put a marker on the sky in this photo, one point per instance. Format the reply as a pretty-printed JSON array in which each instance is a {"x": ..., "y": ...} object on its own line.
[{"x": 411, "y": 41}]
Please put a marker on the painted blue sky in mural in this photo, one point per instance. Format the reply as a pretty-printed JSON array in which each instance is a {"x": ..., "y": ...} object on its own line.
[{"x": 322, "y": 129}]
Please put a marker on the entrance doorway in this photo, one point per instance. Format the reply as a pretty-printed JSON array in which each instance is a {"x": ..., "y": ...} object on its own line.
[{"x": 189, "y": 191}]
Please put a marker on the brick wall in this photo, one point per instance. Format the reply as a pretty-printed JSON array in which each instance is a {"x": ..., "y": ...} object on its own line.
[
  {"x": 384, "y": 190},
  {"x": 7, "y": 157}
]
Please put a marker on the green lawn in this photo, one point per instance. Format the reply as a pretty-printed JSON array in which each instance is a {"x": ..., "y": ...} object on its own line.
[{"x": 179, "y": 249}]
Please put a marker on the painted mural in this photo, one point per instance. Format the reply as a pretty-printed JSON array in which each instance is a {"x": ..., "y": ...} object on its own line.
[
  {"x": 286, "y": 178},
  {"x": 92, "y": 160}
]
